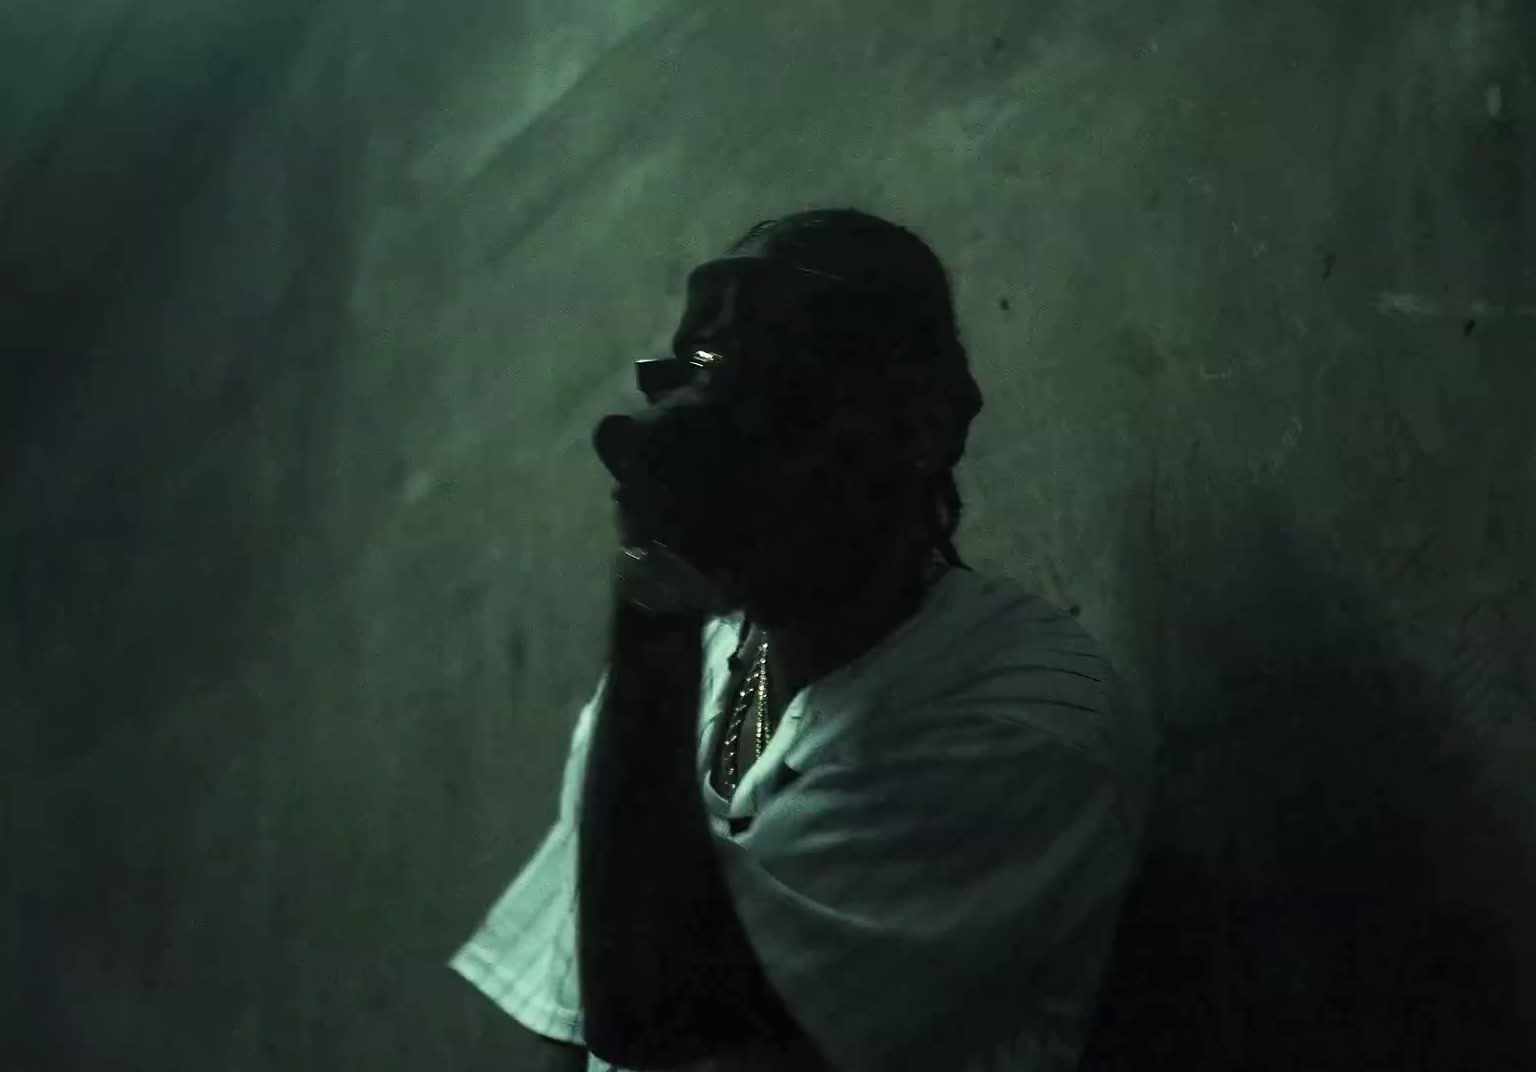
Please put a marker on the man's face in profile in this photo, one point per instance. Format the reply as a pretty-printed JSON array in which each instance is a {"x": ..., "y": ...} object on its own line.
[{"x": 814, "y": 514}]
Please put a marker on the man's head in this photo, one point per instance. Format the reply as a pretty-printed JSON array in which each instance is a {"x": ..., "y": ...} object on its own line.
[{"x": 826, "y": 355}]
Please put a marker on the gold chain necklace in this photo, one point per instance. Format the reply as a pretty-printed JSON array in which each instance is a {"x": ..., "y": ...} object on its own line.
[{"x": 759, "y": 678}]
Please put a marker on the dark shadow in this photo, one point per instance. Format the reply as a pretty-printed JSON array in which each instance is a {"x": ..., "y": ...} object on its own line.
[{"x": 1330, "y": 882}]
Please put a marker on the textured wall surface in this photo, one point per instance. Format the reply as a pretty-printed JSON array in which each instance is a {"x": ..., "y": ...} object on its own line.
[{"x": 304, "y": 538}]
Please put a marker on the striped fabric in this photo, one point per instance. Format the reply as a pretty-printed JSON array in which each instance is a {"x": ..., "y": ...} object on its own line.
[{"x": 929, "y": 859}]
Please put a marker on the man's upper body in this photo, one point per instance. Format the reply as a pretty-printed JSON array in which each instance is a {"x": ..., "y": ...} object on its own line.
[{"x": 930, "y": 856}]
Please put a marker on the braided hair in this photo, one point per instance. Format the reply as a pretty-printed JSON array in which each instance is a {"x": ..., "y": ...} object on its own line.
[{"x": 905, "y": 319}]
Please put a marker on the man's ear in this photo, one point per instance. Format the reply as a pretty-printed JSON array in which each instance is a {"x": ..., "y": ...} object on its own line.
[
  {"x": 915, "y": 436},
  {"x": 866, "y": 443},
  {"x": 908, "y": 404}
]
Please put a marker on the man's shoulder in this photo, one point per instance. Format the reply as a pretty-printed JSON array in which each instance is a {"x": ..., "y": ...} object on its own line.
[
  {"x": 1051, "y": 673},
  {"x": 997, "y": 649}
]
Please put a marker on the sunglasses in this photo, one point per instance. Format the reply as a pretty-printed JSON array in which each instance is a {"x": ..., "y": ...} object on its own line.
[{"x": 766, "y": 294}]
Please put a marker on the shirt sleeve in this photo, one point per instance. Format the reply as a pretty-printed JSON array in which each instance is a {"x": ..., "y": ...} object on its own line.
[
  {"x": 906, "y": 906},
  {"x": 523, "y": 955}
]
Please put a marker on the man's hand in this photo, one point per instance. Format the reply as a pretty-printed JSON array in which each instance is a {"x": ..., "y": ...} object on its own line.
[
  {"x": 656, "y": 579},
  {"x": 652, "y": 574}
]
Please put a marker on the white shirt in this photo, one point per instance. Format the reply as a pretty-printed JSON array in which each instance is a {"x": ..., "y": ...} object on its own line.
[{"x": 941, "y": 835}]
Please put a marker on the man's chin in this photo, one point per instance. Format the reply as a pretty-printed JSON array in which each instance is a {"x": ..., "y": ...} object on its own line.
[
  {"x": 735, "y": 594},
  {"x": 786, "y": 605}
]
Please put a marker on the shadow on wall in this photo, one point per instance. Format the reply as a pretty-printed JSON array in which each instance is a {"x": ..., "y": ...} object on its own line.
[{"x": 1354, "y": 902}]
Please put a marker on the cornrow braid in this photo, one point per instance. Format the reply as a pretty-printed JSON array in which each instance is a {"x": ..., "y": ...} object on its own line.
[{"x": 948, "y": 521}]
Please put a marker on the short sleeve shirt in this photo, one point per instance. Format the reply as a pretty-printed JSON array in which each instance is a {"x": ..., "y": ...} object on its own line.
[{"x": 929, "y": 858}]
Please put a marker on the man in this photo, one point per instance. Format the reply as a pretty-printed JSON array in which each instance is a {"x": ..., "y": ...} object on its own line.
[{"x": 898, "y": 832}]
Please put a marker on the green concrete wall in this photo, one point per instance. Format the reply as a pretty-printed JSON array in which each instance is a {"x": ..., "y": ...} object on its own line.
[{"x": 305, "y": 541}]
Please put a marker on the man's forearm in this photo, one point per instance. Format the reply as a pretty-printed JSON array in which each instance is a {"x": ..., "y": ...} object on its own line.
[{"x": 652, "y": 899}]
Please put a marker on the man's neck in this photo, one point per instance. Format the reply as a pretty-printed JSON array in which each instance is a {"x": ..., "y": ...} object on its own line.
[{"x": 802, "y": 655}]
